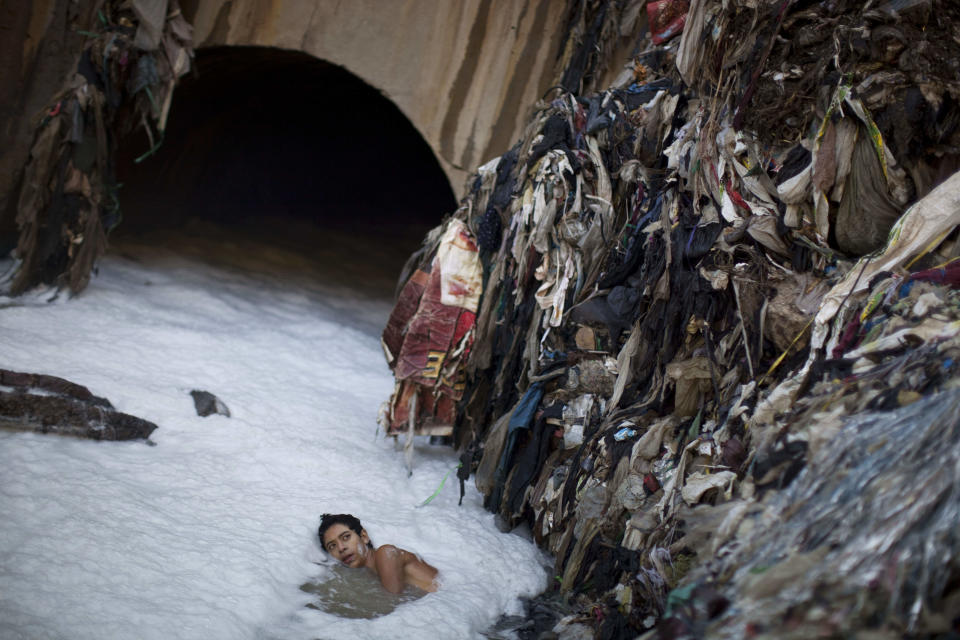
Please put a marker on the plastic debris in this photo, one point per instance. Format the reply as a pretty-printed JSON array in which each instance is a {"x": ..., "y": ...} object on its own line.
[{"x": 704, "y": 271}]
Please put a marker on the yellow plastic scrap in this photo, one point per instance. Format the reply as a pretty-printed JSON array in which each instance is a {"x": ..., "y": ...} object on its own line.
[
  {"x": 944, "y": 265},
  {"x": 892, "y": 238},
  {"x": 872, "y": 304},
  {"x": 625, "y": 598},
  {"x": 838, "y": 98},
  {"x": 875, "y": 136},
  {"x": 930, "y": 247},
  {"x": 783, "y": 355}
]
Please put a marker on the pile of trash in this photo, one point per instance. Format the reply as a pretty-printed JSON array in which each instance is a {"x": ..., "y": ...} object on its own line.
[
  {"x": 864, "y": 538},
  {"x": 681, "y": 313},
  {"x": 68, "y": 193}
]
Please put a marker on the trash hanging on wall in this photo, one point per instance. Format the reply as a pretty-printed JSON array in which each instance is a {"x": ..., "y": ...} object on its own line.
[
  {"x": 694, "y": 288},
  {"x": 68, "y": 194}
]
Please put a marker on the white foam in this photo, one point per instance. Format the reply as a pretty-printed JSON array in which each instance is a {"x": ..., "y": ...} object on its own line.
[{"x": 210, "y": 533}]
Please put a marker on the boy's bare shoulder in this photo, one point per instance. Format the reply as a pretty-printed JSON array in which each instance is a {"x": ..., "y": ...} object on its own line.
[
  {"x": 389, "y": 564},
  {"x": 389, "y": 551},
  {"x": 397, "y": 567}
]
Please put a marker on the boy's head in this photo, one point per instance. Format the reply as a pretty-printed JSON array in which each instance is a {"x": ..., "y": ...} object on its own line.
[{"x": 327, "y": 520}]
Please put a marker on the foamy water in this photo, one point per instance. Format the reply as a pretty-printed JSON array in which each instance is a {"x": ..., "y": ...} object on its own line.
[{"x": 212, "y": 532}]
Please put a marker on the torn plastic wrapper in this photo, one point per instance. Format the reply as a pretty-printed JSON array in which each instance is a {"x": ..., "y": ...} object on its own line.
[
  {"x": 918, "y": 231},
  {"x": 693, "y": 380},
  {"x": 868, "y": 513}
]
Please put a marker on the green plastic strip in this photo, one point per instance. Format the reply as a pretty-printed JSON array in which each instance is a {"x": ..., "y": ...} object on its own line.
[{"x": 439, "y": 489}]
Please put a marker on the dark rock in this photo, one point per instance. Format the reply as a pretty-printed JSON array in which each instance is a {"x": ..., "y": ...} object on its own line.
[
  {"x": 59, "y": 386},
  {"x": 207, "y": 404},
  {"x": 64, "y": 408}
]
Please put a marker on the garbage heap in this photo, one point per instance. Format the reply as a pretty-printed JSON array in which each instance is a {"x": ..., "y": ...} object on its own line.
[
  {"x": 68, "y": 192},
  {"x": 699, "y": 331}
]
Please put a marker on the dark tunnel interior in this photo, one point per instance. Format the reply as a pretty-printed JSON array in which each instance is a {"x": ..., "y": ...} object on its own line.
[{"x": 256, "y": 134}]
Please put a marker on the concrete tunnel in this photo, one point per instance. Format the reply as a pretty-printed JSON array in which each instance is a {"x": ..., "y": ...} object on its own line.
[
  {"x": 261, "y": 133},
  {"x": 274, "y": 116}
]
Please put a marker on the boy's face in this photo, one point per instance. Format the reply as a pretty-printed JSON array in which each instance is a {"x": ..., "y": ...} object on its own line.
[{"x": 343, "y": 543}]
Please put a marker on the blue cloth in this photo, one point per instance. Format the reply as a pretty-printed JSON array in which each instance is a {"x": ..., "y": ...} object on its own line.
[
  {"x": 523, "y": 414},
  {"x": 521, "y": 419},
  {"x": 905, "y": 288}
]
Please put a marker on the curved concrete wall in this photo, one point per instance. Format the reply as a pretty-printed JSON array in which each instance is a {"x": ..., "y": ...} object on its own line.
[{"x": 464, "y": 72}]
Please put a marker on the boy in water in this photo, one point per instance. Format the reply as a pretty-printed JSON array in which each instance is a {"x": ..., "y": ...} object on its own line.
[{"x": 344, "y": 538}]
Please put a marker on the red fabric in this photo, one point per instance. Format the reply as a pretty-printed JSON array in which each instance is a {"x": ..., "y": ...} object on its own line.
[
  {"x": 950, "y": 274},
  {"x": 421, "y": 334},
  {"x": 429, "y": 336},
  {"x": 851, "y": 334},
  {"x": 400, "y": 406},
  {"x": 651, "y": 483},
  {"x": 667, "y": 18},
  {"x": 464, "y": 324},
  {"x": 406, "y": 306},
  {"x": 445, "y": 410},
  {"x": 421, "y": 341},
  {"x": 433, "y": 410},
  {"x": 737, "y": 198},
  {"x": 579, "y": 119}
]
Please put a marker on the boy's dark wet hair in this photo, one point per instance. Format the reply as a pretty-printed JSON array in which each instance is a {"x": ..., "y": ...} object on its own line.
[{"x": 327, "y": 520}]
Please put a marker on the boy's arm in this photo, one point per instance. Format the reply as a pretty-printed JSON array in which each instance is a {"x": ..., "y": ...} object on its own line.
[
  {"x": 419, "y": 573},
  {"x": 390, "y": 568}
]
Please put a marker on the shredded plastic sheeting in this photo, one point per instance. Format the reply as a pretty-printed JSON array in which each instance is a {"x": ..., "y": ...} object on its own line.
[{"x": 866, "y": 537}]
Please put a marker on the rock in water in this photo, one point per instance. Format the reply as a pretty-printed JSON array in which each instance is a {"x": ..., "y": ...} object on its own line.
[
  {"x": 207, "y": 404},
  {"x": 47, "y": 404}
]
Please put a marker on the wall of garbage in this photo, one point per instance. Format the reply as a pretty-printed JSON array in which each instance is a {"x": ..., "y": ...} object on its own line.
[
  {"x": 66, "y": 200},
  {"x": 699, "y": 330}
]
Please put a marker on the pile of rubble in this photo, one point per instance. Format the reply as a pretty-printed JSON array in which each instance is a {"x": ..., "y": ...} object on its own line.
[{"x": 682, "y": 313}]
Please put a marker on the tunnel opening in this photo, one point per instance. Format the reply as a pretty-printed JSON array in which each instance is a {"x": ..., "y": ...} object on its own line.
[{"x": 265, "y": 136}]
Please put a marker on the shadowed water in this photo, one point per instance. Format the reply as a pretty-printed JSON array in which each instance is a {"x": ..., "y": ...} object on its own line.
[{"x": 355, "y": 593}]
